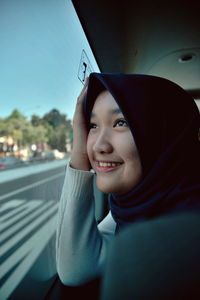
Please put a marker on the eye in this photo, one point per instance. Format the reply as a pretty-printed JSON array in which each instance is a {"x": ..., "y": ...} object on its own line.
[
  {"x": 121, "y": 123},
  {"x": 93, "y": 126}
]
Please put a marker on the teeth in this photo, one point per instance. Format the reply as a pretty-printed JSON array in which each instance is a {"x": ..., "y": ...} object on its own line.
[{"x": 104, "y": 164}]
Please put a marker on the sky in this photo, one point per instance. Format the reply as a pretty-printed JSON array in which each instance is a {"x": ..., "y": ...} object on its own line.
[{"x": 41, "y": 43}]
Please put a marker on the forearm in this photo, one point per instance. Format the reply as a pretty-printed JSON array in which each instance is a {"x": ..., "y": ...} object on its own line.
[{"x": 80, "y": 246}]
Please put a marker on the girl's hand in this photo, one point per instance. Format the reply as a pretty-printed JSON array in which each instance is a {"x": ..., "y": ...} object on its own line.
[{"x": 79, "y": 158}]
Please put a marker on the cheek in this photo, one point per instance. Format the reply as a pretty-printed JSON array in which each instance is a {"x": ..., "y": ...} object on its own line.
[
  {"x": 133, "y": 158},
  {"x": 89, "y": 146},
  {"x": 131, "y": 155},
  {"x": 127, "y": 147},
  {"x": 134, "y": 166}
]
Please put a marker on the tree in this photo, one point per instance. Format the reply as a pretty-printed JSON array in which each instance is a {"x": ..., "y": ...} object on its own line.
[
  {"x": 55, "y": 118},
  {"x": 57, "y": 138},
  {"x": 58, "y": 128},
  {"x": 52, "y": 129},
  {"x": 36, "y": 120},
  {"x": 14, "y": 126}
]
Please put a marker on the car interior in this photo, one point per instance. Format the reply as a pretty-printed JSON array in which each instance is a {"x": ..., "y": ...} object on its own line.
[
  {"x": 155, "y": 37},
  {"x": 145, "y": 37},
  {"x": 160, "y": 38}
]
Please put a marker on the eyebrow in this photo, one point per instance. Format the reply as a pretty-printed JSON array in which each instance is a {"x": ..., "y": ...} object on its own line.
[{"x": 115, "y": 111}]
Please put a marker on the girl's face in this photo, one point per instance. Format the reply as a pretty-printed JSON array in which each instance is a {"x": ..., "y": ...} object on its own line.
[{"x": 111, "y": 148}]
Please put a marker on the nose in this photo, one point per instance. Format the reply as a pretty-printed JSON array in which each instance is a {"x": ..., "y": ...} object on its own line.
[{"x": 103, "y": 143}]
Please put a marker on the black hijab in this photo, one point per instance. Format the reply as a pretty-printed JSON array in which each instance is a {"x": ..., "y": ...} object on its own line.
[{"x": 164, "y": 121}]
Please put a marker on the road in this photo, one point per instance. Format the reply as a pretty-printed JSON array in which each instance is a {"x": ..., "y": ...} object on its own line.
[{"x": 28, "y": 210}]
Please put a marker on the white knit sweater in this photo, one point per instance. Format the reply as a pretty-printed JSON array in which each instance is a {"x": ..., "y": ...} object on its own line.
[{"x": 81, "y": 244}]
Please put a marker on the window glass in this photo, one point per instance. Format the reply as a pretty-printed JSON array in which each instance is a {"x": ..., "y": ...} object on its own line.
[
  {"x": 198, "y": 103},
  {"x": 44, "y": 58}
]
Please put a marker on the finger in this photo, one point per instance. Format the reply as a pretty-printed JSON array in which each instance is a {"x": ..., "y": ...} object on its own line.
[
  {"x": 83, "y": 92},
  {"x": 86, "y": 81}
]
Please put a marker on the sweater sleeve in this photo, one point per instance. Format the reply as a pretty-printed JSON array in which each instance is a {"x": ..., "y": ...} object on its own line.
[{"x": 81, "y": 245}]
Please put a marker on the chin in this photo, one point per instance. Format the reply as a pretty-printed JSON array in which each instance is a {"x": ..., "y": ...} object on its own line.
[
  {"x": 107, "y": 189},
  {"x": 119, "y": 190}
]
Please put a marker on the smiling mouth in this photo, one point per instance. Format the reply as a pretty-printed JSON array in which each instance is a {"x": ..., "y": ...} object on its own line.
[{"x": 107, "y": 166}]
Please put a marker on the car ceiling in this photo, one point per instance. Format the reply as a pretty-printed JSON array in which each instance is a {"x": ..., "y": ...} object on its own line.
[{"x": 147, "y": 37}]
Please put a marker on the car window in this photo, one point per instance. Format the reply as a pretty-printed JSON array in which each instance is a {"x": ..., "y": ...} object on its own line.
[{"x": 44, "y": 60}]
